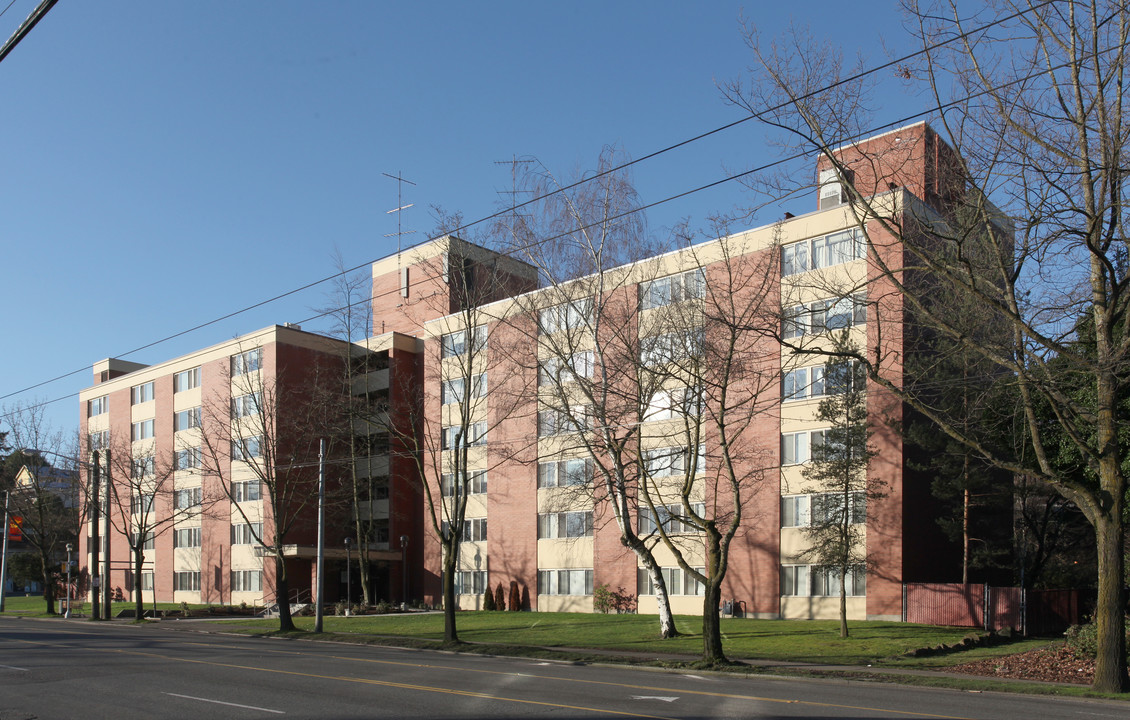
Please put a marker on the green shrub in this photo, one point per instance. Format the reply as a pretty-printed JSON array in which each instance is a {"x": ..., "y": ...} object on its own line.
[
  {"x": 499, "y": 598},
  {"x": 606, "y": 601},
  {"x": 1083, "y": 640},
  {"x": 515, "y": 596}
]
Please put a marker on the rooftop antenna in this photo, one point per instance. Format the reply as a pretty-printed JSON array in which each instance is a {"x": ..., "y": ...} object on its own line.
[
  {"x": 400, "y": 206},
  {"x": 515, "y": 217}
]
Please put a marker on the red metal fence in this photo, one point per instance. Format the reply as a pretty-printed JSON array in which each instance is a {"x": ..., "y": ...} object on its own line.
[{"x": 1034, "y": 612}]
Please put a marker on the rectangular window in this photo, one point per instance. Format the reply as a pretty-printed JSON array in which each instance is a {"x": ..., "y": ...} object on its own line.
[
  {"x": 98, "y": 406},
  {"x": 146, "y": 581},
  {"x": 246, "y": 405},
  {"x": 245, "y": 491},
  {"x": 186, "y": 538},
  {"x": 795, "y": 581},
  {"x": 142, "y": 430},
  {"x": 671, "y": 347},
  {"x": 673, "y": 518},
  {"x": 673, "y": 461},
  {"x": 186, "y": 380},
  {"x": 825, "y": 251},
  {"x": 246, "y": 362},
  {"x": 141, "y": 504},
  {"x": 459, "y": 342},
  {"x": 565, "y": 582},
  {"x": 187, "y": 459},
  {"x": 245, "y": 448},
  {"x": 457, "y": 436},
  {"x": 186, "y": 581},
  {"x": 100, "y": 440},
  {"x": 452, "y": 391},
  {"x": 245, "y": 534},
  {"x": 470, "y": 582},
  {"x": 829, "y": 507},
  {"x": 186, "y": 419},
  {"x": 564, "y": 525},
  {"x": 246, "y": 580},
  {"x": 476, "y": 483},
  {"x": 474, "y": 530},
  {"x": 824, "y": 315},
  {"x": 558, "y": 421},
  {"x": 565, "y": 473},
  {"x": 690, "y": 285},
  {"x": 149, "y": 542},
  {"x": 141, "y": 393},
  {"x": 821, "y": 581},
  {"x": 142, "y": 467},
  {"x": 677, "y": 581},
  {"x": 795, "y": 511},
  {"x": 557, "y": 371},
  {"x": 797, "y": 447},
  {"x": 572, "y": 315},
  {"x": 189, "y": 497}
]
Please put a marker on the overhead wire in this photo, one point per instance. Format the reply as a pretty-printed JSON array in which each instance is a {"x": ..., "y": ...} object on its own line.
[{"x": 590, "y": 178}]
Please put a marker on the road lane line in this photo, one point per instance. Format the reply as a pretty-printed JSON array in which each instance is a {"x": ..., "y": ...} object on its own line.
[
  {"x": 229, "y": 704},
  {"x": 13, "y": 667}
]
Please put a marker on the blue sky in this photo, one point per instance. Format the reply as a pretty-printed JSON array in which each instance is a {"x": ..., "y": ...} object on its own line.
[{"x": 166, "y": 163}]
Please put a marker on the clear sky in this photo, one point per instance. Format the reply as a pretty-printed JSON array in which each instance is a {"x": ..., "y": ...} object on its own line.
[{"x": 166, "y": 163}]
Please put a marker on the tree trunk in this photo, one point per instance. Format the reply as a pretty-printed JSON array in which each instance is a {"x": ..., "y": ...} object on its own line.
[
  {"x": 48, "y": 585},
  {"x": 843, "y": 605},
  {"x": 138, "y": 601},
  {"x": 282, "y": 595},
  {"x": 450, "y": 634},
  {"x": 1110, "y": 660},
  {"x": 667, "y": 627},
  {"x": 711, "y": 624}
]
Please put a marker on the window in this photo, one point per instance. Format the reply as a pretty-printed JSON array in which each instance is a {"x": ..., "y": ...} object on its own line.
[
  {"x": 566, "y": 316},
  {"x": 824, "y": 315},
  {"x": 832, "y": 188},
  {"x": 458, "y": 436},
  {"x": 146, "y": 580},
  {"x": 564, "y": 525},
  {"x": 186, "y": 538},
  {"x": 677, "y": 581},
  {"x": 797, "y": 447},
  {"x": 821, "y": 581},
  {"x": 676, "y": 403},
  {"x": 246, "y": 580},
  {"x": 663, "y": 349},
  {"x": 246, "y": 405},
  {"x": 142, "y": 430},
  {"x": 672, "y": 289},
  {"x": 141, "y": 393},
  {"x": 821, "y": 380},
  {"x": 672, "y": 461},
  {"x": 187, "y": 459},
  {"x": 829, "y": 507},
  {"x": 470, "y": 582},
  {"x": 245, "y": 448},
  {"x": 475, "y": 530},
  {"x": 452, "y": 391},
  {"x": 459, "y": 342},
  {"x": 564, "y": 582},
  {"x": 186, "y": 581},
  {"x": 245, "y": 533},
  {"x": 186, "y": 419},
  {"x": 189, "y": 497},
  {"x": 822, "y": 252},
  {"x": 245, "y": 491},
  {"x": 141, "y": 504},
  {"x": 98, "y": 406},
  {"x": 246, "y": 362},
  {"x": 795, "y": 511},
  {"x": 100, "y": 440},
  {"x": 148, "y": 544},
  {"x": 565, "y": 473},
  {"x": 672, "y": 517},
  {"x": 557, "y": 370},
  {"x": 476, "y": 483},
  {"x": 141, "y": 467},
  {"x": 186, "y": 380},
  {"x": 558, "y": 422}
]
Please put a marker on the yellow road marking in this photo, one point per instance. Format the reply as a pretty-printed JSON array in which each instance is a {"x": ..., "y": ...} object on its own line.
[{"x": 429, "y": 666}]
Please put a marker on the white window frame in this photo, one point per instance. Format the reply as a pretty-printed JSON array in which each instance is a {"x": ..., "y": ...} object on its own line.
[
  {"x": 142, "y": 393},
  {"x": 186, "y": 380}
]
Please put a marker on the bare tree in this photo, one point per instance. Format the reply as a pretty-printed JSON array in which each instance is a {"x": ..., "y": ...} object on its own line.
[
  {"x": 263, "y": 442},
  {"x": 42, "y": 492},
  {"x": 1032, "y": 121},
  {"x": 710, "y": 348},
  {"x": 592, "y": 388}
]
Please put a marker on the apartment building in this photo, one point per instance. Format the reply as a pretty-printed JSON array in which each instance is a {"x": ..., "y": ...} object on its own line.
[{"x": 537, "y": 396}]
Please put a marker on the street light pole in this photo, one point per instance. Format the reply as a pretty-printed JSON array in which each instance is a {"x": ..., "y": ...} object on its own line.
[
  {"x": 4, "y": 552},
  {"x": 348, "y": 579},
  {"x": 70, "y": 549}
]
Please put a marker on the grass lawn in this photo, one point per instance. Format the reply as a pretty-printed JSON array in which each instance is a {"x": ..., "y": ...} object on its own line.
[
  {"x": 35, "y": 606},
  {"x": 814, "y": 641}
]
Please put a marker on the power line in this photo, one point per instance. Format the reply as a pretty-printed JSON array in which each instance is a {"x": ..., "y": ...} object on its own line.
[{"x": 514, "y": 208}]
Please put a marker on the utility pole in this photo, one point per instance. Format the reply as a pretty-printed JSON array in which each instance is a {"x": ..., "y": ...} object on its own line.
[
  {"x": 321, "y": 579},
  {"x": 4, "y": 552},
  {"x": 106, "y": 584},
  {"x": 96, "y": 579}
]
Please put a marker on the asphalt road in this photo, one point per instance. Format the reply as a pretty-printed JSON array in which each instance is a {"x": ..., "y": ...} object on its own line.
[{"x": 78, "y": 669}]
